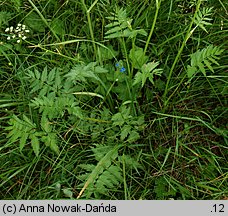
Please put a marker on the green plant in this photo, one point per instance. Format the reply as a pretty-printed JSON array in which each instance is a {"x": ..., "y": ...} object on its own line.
[
  {"x": 24, "y": 130},
  {"x": 163, "y": 190},
  {"x": 121, "y": 26},
  {"x": 4, "y": 18},
  {"x": 129, "y": 128},
  {"x": 106, "y": 175},
  {"x": 200, "y": 19},
  {"x": 203, "y": 58},
  {"x": 115, "y": 99},
  {"x": 103, "y": 176},
  {"x": 147, "y": 72}
]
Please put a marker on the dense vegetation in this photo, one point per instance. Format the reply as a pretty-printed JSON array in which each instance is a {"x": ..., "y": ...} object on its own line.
[{"x": 113, "y": 99}]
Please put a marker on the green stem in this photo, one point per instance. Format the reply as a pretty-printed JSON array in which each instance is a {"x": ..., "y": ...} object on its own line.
[
  {"x": 90, "y": 23},
  {"x": 158, "y": 3},
  {"x": 187, "y": 36},
  {"x": 124, "y": 177},
  {"x": 126, "y": 55},
  {"x": 133, "y": 48},
  {"x": 129, "y": 86},
  {"x": 44, "y": 20}
]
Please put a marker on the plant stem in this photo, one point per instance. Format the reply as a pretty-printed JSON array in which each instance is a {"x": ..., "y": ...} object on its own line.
[
  {"x": 158, "y": 3},
  {"x": 124, "y": 177},
  {"x": 187, "y": 36},
  {"x": 44, "y": 20},
  {"x": 90, "y": 23},
  {"x": 130, "y": 74}
]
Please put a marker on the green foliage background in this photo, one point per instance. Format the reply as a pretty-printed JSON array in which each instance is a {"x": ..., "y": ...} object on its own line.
[{"x": 112, "y": 99}]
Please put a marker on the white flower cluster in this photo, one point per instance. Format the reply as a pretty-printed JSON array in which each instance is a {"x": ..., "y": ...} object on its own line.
[{"x": 18, "y": 33}]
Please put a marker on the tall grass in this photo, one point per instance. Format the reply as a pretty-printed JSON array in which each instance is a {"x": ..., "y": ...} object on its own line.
[{"x": 114, "y": 100}]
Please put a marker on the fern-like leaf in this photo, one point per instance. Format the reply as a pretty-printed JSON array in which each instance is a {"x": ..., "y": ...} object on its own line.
[
  {"x": 19, "y": 129},
  {"x": 121, "y": 26},
  {"x": 147, "y": 72},
  {"x": 25, "y": 131},
  {"x": 202, "y": 59},
  {"x": 35, "y": 143},
  {"x": 44, "y": 82},
  {"x": 104, "y": 175},
  {"x": 83, "y": 72},
  {"x": 53, "y": 106},
  {"x": 202, "y": 18}
]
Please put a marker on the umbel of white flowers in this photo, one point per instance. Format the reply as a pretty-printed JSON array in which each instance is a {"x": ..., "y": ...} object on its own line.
[{"x": 18, "y": 33}]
